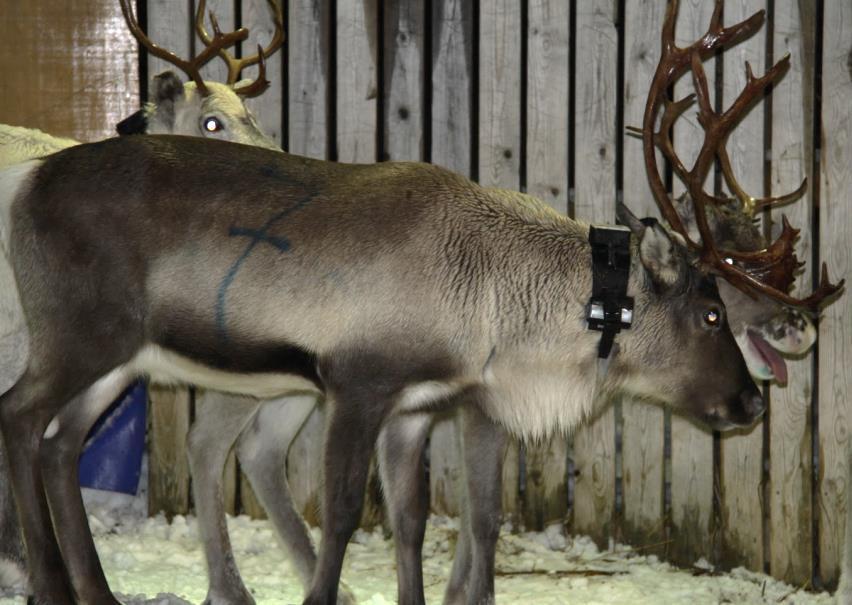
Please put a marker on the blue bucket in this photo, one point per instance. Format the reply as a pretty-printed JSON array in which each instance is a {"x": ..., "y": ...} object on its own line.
[{"x": 112, "y": 453}]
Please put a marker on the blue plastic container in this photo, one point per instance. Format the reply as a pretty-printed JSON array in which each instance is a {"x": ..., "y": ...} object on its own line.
[{"x": 112, "y": 453}]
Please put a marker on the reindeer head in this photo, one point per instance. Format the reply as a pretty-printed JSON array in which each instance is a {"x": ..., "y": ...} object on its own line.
[
  {"x": 764, "y": 329},
  {"x": 199, "y": 107},
  {"x": 683, "y": 351}
]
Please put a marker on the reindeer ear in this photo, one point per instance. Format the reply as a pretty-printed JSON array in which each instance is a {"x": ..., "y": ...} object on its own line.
[
  {"x": 686, "y": 211},
  {"x": 660, "y": 256},
  {"x": 628, "y": 219},
  {"x": 135, "y": 123},
  {"x": 167, "y": 90},
  {"x": 167, "y": 87},
  {"x": 242, "y": 83}
]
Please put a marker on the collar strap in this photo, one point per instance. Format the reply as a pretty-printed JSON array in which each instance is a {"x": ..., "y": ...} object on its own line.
[{"x": 610, "y": 309}]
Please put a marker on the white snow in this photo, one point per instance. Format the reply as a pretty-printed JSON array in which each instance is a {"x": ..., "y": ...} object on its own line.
[{"x": 149, "y": 556}]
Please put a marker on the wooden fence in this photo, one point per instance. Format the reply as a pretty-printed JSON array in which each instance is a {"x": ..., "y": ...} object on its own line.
[{"x": 535, "y": 95}]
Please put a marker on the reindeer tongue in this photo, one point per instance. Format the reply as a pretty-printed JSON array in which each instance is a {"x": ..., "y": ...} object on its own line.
[{"x": 770, "y": 356}]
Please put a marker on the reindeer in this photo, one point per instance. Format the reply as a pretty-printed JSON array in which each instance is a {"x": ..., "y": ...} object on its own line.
[
  {"x": 765, "y": 326},
  {"x": 195, "y": 108}
]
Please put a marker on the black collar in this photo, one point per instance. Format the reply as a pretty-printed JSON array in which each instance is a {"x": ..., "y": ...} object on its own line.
[{"x": 610, "y": 309}]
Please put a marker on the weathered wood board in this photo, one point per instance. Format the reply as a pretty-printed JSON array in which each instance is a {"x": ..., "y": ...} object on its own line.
[
  {"x": 692, "y": 447},
  {"x": 643, "y": 438},
  {"x": 595, "y": 140},
  {"x": 790, "y": 427},
  {"x": 741, "y": 478},
  {"x": 835, "y": 336}
]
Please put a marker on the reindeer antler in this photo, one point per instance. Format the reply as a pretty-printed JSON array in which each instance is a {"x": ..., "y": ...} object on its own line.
[
  {"x": 235, "y": 66},
  {"x": 214, "y": 46},
  {"x": 769, "y": 271}
]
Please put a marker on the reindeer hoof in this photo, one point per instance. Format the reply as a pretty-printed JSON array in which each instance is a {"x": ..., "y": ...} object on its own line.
[
  {"x": 242, "y": 599},
  {"x": 345, "y": 596}
]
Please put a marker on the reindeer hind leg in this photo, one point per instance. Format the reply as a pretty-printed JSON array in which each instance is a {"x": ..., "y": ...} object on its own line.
[
  {"x": 25, "y": 412},
  {"x": 59, "y": 454},
  {"x": 12, "y": 557},
  {"x": 262, "y": 451},
  {"x": 218, "y": 422}
]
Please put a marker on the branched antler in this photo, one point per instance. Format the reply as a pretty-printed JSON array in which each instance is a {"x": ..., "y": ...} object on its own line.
[
  {"x": 213, "y": 46},
  {"x": 769, "y": 271},
  {"x": 235, "y": 66}
]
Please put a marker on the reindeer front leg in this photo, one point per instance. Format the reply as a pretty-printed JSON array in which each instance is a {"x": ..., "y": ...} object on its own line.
[{"x": 483, "y": 448}]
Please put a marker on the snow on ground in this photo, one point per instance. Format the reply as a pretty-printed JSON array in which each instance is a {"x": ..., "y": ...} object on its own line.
[{"x": 149, "y": 556}]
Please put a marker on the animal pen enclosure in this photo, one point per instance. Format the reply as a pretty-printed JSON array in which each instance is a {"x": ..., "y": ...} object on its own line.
[{"x": 535, "y": 95}]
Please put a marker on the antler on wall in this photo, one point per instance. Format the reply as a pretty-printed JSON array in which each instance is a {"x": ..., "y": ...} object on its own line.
[{"x": 769, "y": 271}]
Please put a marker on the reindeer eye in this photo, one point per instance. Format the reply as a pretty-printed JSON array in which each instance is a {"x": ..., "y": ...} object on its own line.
[
  {"x": 213, "y": 124},
  {"x": 712, "y": 318}
]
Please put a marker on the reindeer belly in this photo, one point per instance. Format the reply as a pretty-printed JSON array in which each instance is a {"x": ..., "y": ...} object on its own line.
[{"x": 169, "y": 367}]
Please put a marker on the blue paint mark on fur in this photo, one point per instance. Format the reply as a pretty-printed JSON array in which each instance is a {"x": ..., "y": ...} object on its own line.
[{"x": 257, "y": 237}]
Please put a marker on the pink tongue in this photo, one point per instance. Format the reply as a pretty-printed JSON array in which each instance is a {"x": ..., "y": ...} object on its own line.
[{"x": 770, "y": 356}]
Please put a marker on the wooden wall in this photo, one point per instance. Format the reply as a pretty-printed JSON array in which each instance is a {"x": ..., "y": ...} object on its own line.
[{"x": 535, "y": 95}]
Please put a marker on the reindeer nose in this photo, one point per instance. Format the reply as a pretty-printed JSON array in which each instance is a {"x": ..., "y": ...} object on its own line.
[{"x": 753, "y": 403}]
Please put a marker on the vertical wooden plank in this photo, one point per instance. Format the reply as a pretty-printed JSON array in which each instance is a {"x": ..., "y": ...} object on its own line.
[
  {"x": 643, "y": 430},
  {"x": 305, "y": 468},
  {"x": 249, "y": 504},
  {"x": 499, "y": 93},
  {"x": 307, "y": 129},
  {"x": 741, "y": 496},
  {"x": 69, "y": 69},
  {"x": 445, "y": 467},
  {"x": 835, "y": 337},
  {"x": 790, "y": 426},
  {"x": 307, "y": 67},
  {"x": 403, "y": 69},
  {"x": 168, "y": 465},
  {"x": 452, "y": 84},
  {"x": 169, "y": 26},
  {"x": 548, "y": 129},
  {"x": 452, "y": 81},
  {"x": 594, "y": 160},
  {"x": 546, "y": 484},
  {"x": 357, "y": 84},
  {"x": 217, "y": 70},
  {"x": 267, "y": 108},
  {"x": 692, "y": 447},
  {"x": 548, "y": 122},
  {"x": 499, "y": 144}
]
